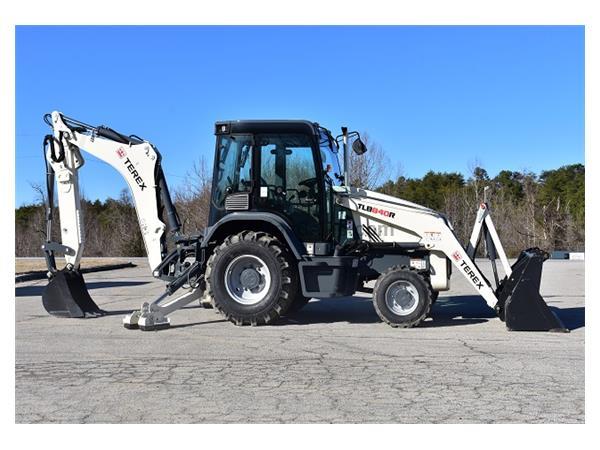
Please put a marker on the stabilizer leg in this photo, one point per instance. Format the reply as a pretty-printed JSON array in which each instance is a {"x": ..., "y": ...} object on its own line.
[{"x": 153, "y": 316}]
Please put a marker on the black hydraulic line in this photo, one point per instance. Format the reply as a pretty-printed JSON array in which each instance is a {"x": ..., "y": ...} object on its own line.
[
  {"x": 48, "y": 119},
  {"x": 399, "y": 245},
  {"x": 172, "y": 217},
  {"x": 184, "y": 278},
  {"x": 111, "y": 134},
  {"x": 49, "y": 139},
  {"x": 49, "y": 255},
  {"x": 73, "y": 122}
]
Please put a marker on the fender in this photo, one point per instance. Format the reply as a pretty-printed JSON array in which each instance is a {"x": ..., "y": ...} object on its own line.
[{"x": 282, "y": 226}]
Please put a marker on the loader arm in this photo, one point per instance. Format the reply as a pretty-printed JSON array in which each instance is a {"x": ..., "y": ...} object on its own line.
[
  {"x": 136, "y": 160},
  {"x": 423, "y": 225},
  {"x": 516, "y": 300}
]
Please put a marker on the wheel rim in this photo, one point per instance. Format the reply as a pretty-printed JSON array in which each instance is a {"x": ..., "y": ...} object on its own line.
[
  {"x": 247, "y": 279},
  {"x": 402, "y": 298}
]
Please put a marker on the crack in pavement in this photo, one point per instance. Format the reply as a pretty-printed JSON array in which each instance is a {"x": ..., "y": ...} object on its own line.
[{"x": 319, "y": 389}]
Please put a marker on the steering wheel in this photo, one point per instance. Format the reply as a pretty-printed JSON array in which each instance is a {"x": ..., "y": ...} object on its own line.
[
  {"x": 280, "y": 192},
  {"x": 309, "y": 183}
]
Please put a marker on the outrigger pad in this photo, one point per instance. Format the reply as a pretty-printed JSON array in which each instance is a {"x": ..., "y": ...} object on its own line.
[
  {"x": 520, "y": 304},
  {"x": 67, "y": 296}
]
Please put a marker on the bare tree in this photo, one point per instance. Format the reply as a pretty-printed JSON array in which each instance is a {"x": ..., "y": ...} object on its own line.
[
  {"x": 524, "y": 216},
  {"x": 30, "y": 225},
  {"x": 370, "y": 170},
  {"x": 192, "y": 198}
]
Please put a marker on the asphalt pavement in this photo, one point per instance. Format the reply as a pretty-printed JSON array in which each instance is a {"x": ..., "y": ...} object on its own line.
[{"x": 333, "y": 362}]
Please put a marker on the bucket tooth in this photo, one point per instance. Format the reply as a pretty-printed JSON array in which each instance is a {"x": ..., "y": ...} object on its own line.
[
  {"x": 67, "y": 296},
  {"x": 520, "y": 304}
]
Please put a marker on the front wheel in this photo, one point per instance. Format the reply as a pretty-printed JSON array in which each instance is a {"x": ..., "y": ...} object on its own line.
[
  {"x": 401, "y": 297},
  {"x": 251, "y": 278}
]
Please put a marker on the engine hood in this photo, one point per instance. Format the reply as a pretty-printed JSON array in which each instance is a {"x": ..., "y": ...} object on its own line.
[{"x": 358, "y": 193}]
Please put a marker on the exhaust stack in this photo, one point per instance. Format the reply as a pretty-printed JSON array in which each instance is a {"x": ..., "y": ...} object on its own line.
[{"x": 346, "y": 157}]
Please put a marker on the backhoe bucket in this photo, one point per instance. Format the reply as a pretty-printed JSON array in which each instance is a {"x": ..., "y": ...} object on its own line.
[
  {"x": 520, "y": 304},
  {"x": 67, "y": 296}
]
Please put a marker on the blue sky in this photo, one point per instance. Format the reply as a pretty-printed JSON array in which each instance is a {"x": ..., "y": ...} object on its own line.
[{"x": 434, "y": 98}]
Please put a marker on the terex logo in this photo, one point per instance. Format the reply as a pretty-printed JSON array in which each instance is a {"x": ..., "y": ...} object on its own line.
[
  {"x": 373, "y": 210},
  {"x": 135, "y": 174},
  {"x": 474, "y": 278}
]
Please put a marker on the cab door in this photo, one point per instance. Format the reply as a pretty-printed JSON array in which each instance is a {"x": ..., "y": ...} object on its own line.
[
  {"x": 232, "y": 172},
  {"x": 288, "y": 181}
]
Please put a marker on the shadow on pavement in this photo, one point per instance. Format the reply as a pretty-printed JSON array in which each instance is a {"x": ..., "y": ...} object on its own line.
[
  {"x": 448, "y": 311},
  {"x": 572, "y": 318},
  {"x": 465, "y": 306},
  {"x": 347, "y": 309},
  {"x": 459, "y": 310},
  {"x": 117, "y": 312},
  {"x": 208, "y": 322},
  {"x": 193, "y": 305},
  {"x": 33, "y": 291},
  {"x": 474, "y": 309}
]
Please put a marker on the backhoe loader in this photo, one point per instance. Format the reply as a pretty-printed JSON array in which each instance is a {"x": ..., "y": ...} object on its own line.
[{"x": 284, "y": 226}]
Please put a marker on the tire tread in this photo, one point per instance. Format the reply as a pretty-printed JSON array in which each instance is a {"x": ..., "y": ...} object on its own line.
[
  {"x": 288, "y": 278},
  {"x": 408, "y": 324}
]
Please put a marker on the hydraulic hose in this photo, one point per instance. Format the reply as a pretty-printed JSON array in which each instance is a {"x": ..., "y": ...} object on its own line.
[
  {"x": 49, "y": 139},
  {"x": 111, "y": 134},
  {"x": 172, "y": 217}
]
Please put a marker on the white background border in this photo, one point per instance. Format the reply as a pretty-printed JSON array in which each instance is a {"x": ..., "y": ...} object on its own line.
[{"x": 457, "y": 12}]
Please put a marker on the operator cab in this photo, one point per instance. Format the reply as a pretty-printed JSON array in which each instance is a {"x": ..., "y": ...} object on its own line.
[{"x": 285, "y": 167}]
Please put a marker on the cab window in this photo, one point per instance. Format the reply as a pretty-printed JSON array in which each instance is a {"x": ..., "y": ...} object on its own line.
[
  {"x": 232, "y": 173},
  {"x": 329, "y": 157},
  {"x": 288, "y": 181}
]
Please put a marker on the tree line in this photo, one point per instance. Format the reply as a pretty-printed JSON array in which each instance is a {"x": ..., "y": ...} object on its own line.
[
  {"x": 528, "y": 210},
  {"x": 545, "y": 210}
]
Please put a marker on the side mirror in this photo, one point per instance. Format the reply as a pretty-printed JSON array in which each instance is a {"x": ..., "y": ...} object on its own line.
[{"x": 359, "y": 147}]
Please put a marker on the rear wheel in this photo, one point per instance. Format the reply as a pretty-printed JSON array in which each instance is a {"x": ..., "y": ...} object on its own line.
[
  {"x": 251, "y": 278},
  {"x": 401, "y": 297}
]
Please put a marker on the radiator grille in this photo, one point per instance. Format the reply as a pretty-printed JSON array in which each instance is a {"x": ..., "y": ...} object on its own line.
[{"x": 237, "y": 202}]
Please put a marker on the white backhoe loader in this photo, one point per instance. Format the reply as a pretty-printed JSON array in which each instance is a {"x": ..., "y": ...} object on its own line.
[{"x": 284, "y": 226}]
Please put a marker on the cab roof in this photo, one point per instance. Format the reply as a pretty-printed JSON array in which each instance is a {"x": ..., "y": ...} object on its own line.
[{"x": 266, "y": 126}]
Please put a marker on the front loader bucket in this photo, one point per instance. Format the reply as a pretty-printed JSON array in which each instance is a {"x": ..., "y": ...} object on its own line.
[
  {"x": 67, "y": 296},
  {"x": 520, "y": 304}
]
